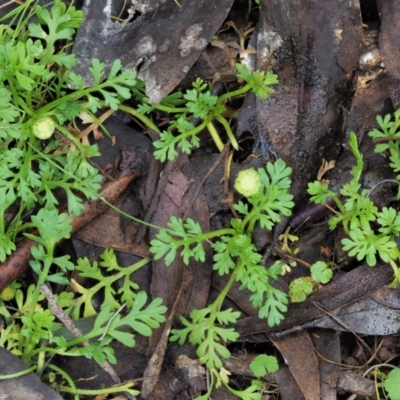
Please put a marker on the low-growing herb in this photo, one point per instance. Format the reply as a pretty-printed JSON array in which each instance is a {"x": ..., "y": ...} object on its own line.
[
  {"x": 32, "y": 332},
  {"x": 201, "y": 104},
  {"x": 263, "y": 365},
  {"x": 370, "y": 232},
  {"x": 39, "y": 96},
  {"x": 36, "y": 103},
  {"x": 392, "y": 384},
  {"x": 300, "y": 288},
  {"x": 234, "y": 254}
]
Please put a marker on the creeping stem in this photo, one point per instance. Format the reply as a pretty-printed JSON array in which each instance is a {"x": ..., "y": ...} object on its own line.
[
  {"x": 229, "y": 132},
  {"x": 141, "y": 117},
  {"x": 214, "y": 134}
]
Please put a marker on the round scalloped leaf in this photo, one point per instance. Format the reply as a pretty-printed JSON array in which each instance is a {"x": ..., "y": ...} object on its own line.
[{"x": 392, "y": 384}]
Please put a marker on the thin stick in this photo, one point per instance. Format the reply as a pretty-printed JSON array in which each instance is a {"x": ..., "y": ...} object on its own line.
[
  {"x": 338, "y": 320},
  {"x": 70, "y": 325},
  {"x": 386, "y": 139}
]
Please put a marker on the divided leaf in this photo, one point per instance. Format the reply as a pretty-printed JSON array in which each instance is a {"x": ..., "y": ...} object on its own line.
[
  {"x": 264, "y": 364},
  {"x": 259, "y": 81},
  {"x": 320, "y": 272},
  {"x": 392, "y": 384},
  {"x": 299, "y": 289}
]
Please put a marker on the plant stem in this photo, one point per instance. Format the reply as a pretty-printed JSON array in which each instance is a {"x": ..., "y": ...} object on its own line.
[
  {"x": 18, "y": 99},
  {"x": 396, "y": 271},
  {"x": 41, "y": 360},
  {"x": 338, "y": 202},
  {"x": 216, "y": 306},
  {"x": 72, "y": 138},
  {"x": 141, "y": 117},
  {"x": 88, "y": 392},
  {"x": 17, "y": 374},
  {"x": 215, "y": 135},
  {"x": 55, "y": 351},
  {"x": 193, "y": 131},
  {"x": 229, "y": 132},
  {"x": 386, "y": 139},
  {"x": 67, "y": 378},
  {"x": 171, "y": 110},
  {"x": 131, "y": 217},
  {"x": 251, "y": 219},
  {"x": 246, "y": 88},
  {"x": 209, "y": 235}
]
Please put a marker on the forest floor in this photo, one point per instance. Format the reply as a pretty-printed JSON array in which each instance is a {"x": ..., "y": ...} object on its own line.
[{"x": 337, "y": 66}]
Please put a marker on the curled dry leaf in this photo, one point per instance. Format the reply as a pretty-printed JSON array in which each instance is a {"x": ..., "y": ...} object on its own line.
[{"x": 326, "y": 166}]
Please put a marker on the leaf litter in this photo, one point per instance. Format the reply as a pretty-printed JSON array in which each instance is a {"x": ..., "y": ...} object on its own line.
[{"x": 315, "y": 98}]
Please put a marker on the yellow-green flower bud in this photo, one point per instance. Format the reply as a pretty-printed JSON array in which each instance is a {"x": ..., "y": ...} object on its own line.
[
  {"x": 7, "y": 294},
  {"x": 248, "y": 182},
  {"x": 43, "y": 128}
]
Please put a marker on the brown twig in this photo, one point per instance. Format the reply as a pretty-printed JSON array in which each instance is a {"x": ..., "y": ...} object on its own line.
[
  {"x": 338, "y": 320},
  {"x": 153, "y": 369},
  {"x": 12, "y": 1},
  {"x": 386, "y": 139},
  {"x": 70, "y": 325}
]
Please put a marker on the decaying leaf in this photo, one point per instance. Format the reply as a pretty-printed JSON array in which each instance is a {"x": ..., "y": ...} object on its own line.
[{"x": 326, "y": 166}]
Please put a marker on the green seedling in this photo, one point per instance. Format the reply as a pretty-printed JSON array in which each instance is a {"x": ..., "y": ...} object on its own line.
[
  {"x": 201, "y": 104},
  {"x": 300, "y": 288},
  {"x": 36, "y": 101},
  {"x": 387, "y": 139},
  {"x": 234, "y": 254},
  {"x": 356, "y": 212},
  {"x": 106, "y": 273},
  {"x": 392, "y": 384},
  {"x": 263, "y": 365},
  {"x": 389, "y": 382},
  {"x": 260, "y": 367},
  {"x": 32, "y": 332}
]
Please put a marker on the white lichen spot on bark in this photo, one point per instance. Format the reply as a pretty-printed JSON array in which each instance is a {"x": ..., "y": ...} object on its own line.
[
  {"x": 153, "y": 90},
  {"x": 142, "y": 6},
  {"x": 164, "y": 46},
  {"x": 268, "y": 41},
  {"x": 146, "y": 46},
  {"x": 192, "y": 39}
]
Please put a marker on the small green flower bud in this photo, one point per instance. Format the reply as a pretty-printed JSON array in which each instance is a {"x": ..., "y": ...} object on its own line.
[
  {"x": 248, "y": 182},
  {"x": 43, "y": 128},
  {"x": 7, "y": 294}
]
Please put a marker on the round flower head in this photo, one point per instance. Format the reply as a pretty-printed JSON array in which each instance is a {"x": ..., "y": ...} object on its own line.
[
  {"x": 248, "y": 182},
  {"x": 7, "y": 294},
  {"x": 43, "y": 128}
]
